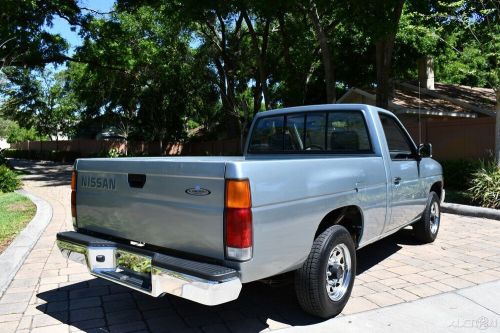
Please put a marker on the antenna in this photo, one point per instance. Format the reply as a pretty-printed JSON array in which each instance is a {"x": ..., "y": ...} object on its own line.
[{"x": 419, "y": 120}]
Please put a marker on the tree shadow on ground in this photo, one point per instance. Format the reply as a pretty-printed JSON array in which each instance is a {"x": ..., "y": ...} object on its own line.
[
  {"x": 45, "y": 172},
  {"x": 100, "y": 306}
]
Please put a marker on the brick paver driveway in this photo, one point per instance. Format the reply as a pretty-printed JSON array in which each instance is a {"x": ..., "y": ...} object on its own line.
[{"x": 50, "y": 294}]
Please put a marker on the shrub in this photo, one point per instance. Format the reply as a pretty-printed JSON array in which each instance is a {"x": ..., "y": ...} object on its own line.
[
  {"x": 9, "y": 181},
  {"x": 113, "y": 153},
  {"x": 485, "y": 185},
  {"x": 458, "y": 173}
]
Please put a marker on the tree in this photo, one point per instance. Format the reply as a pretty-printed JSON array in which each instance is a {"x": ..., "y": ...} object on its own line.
[
  {"x": 379, "y": 19},
  {"x": 24, "y": 40},
  {"x": 475, "y": 47},
  {"x": 148, "y": 79},
  {"x": 321, "y": 31},
  {"x": 40, "y": 99}
]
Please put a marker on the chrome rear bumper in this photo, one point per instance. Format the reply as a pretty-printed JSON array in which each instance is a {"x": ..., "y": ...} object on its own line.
[{"x": 149, "y": 272}]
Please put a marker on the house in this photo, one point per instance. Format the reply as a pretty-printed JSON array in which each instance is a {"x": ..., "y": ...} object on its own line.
[
  {"x": 445, "y": 101},
  {"x": 458, "y": 120}
]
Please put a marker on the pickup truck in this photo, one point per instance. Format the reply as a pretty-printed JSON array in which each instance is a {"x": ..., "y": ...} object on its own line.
[{"x": 315, "y": 184}]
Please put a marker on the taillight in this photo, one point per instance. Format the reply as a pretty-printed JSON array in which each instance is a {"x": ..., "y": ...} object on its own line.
[
  {"x": 238, "y": 220},
  {"x": 73, "y": 197}
]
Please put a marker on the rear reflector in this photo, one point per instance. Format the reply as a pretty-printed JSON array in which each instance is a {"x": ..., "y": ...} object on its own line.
[{"x": 238, "y": 220}]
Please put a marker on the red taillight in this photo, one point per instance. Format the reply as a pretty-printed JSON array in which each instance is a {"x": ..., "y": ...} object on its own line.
[
  {"x": 73, "y": 197},
  {"x": 73, "y": 203},
  {"x": 73, "y": 181},
  {"x": 239, "y": 227},
  {"x": 238, "y": 220}
]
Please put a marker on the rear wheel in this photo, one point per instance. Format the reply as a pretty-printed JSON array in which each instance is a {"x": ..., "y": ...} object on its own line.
[
  {"x": 426, "y": 229},
  {"x": 324, "y": 283}
]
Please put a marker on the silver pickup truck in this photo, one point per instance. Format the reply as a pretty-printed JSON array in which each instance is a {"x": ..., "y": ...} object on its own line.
[{"x": 315, "y": 184}]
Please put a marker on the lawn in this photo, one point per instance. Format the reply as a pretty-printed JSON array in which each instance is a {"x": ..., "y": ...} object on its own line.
[{"x": 15, "y": 212}]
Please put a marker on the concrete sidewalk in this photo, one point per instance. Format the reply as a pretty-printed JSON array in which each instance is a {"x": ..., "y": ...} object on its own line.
[{"x": 471, "y": 309}]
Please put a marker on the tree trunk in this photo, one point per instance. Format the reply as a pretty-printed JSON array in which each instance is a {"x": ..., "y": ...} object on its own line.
[
  {"x": 326, "y": 54},
  {"x": 497, "y": 128},
  {"x": 295, "y": 80},
  {"x": 383, "y": 49},
  {"x": 383, "y": 63},
  {"x": 261, "y": 52},
  {"x": 225, "y": 70},
  {"x": 257, "y": 95}
]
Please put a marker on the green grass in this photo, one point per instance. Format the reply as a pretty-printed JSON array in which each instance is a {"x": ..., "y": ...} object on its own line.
[{"x": 15, "y": 212}]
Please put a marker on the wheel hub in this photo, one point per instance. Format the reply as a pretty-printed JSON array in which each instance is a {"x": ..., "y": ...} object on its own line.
[
  {"x": 338, "y": 272},
  {"x": 434, "y": 217}
]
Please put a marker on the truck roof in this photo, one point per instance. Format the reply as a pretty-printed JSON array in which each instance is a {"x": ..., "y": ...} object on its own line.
[{"x": 319, "y": 107}]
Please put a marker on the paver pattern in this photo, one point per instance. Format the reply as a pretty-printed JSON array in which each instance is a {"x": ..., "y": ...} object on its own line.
[{"x": 50, "y": 294}]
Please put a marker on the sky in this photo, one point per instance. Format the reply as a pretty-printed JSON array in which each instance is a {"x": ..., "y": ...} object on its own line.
[{"x": 63, "y": 28}]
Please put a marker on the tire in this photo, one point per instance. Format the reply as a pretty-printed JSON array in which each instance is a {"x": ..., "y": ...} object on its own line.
[
  {"x": 311, "y": 278},
  {"x": 427, "y": 228}
]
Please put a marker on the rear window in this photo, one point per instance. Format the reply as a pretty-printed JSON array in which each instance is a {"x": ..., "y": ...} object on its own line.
[{"x": 342, "y": 132}]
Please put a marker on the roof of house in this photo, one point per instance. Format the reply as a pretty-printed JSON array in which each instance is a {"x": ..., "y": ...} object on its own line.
[{"x": 446, "y": 100}]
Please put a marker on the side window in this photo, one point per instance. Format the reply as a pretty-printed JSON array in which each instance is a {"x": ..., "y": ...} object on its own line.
[
  {"x": 398, "y": 142},
  {"x": 347, "y": 133},
  {"x": 268, "y": 135}
]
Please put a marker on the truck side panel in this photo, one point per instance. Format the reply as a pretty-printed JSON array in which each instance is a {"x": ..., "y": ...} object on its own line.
[{"x": 291, "y": 197}]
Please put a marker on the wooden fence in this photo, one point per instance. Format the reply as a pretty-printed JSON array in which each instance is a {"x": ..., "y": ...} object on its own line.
[
  {"x": 86, "y": 147},
  {"x": 457, "y": 138},
  {"x": 451, "y": 139}
]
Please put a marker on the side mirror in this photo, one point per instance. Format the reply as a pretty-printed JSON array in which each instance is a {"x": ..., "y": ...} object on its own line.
[{"x": 425, "y": 150}]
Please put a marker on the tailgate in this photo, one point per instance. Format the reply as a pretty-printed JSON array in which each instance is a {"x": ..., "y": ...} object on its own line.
[{"x": 175, "y": 203}]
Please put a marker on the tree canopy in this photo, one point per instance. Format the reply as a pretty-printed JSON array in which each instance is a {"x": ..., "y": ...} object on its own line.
[{"x": 158, "y": 70}]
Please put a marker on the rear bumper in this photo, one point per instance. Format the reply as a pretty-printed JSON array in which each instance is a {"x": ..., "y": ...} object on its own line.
[{"x": 149, "y": 272}]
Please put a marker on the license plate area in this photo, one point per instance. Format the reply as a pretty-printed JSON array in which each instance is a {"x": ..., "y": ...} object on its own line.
[{"x": 128, "y": 268}]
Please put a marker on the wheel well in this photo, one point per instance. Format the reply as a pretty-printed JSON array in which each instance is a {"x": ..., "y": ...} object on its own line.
[
  {"x": 349, "y": 216},
  {"x": 438, "y": 188}
]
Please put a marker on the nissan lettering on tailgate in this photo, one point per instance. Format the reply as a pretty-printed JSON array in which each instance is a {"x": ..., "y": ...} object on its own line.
[{"x": 101, "y": 183}]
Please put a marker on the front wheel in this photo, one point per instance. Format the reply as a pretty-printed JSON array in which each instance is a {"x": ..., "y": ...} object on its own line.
[
  {"x": 426, "y": 229},
  {"x": 324, "y": 282}
]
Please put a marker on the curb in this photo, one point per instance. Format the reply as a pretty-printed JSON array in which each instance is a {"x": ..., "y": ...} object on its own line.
[
  {"x": 14, "y": 255},
  {"x": 488, "y": 213}
]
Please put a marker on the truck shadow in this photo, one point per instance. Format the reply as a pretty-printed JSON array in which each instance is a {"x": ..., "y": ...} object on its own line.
[
  {"x": 377, "y": 252},
  {"x": 99, "y": 306}
]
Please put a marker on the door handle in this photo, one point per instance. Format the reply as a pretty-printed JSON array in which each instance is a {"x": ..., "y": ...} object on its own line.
[{"x": 397, "y": 180}]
